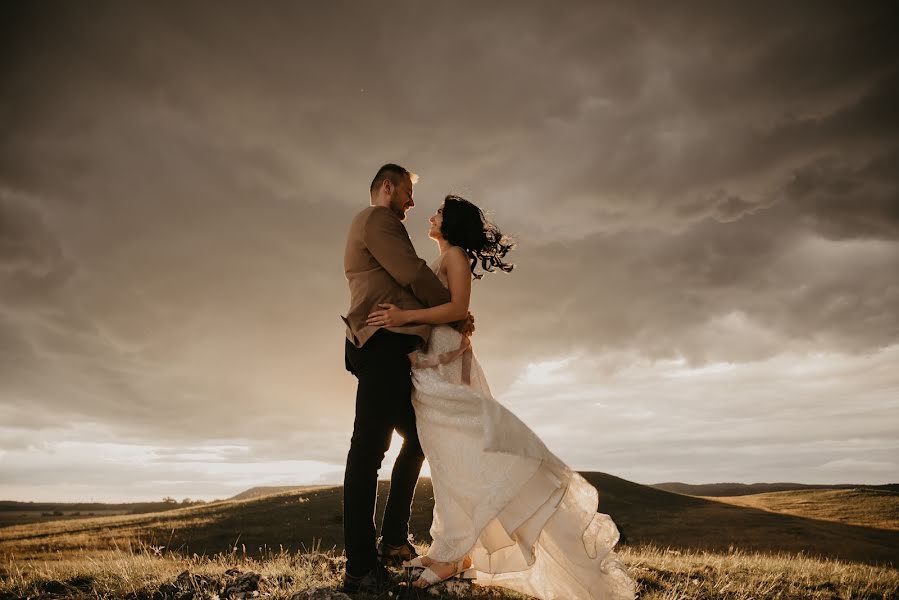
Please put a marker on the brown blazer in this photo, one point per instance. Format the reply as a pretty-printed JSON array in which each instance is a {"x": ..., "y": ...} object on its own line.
[{"x": 381, "y": 266}]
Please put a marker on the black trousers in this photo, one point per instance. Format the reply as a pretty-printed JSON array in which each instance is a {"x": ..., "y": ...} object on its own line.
[{"x": 383, "y": 404}]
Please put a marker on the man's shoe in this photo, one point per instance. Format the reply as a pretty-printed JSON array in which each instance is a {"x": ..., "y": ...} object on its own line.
[
  {"x": 394, "y": 556},
  {"x": 376, "y": 581}
]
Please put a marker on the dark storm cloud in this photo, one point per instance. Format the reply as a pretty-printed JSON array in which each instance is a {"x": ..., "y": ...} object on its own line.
[
  {"x": 849, "y": 200},
  {"x": 735, "y": 291},
  {"x": 725, "y": 111},
  {"x": 33, "y": 263},
  {"x": 715, "y": 183}
]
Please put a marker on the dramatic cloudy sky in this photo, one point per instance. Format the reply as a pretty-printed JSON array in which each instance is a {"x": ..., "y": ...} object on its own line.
[{"x": 706, "y": 199}]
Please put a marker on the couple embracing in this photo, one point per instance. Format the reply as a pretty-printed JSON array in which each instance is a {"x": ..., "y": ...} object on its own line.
[{"x": 507, "y": 512}]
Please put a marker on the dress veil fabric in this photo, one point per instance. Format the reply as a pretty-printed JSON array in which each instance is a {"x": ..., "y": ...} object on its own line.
[{"x": 528, "y": 521}]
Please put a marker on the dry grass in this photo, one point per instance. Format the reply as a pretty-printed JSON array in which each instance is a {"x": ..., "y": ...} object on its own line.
[
  {"x": 645, "y": 516},
  {"x": 674, "y": 575},
  {"x": 62, "y": 537},
  {"x": 869, "y": 508},
  {"x": 679, "y": 550},
  {"x": 146, "y": 573}
]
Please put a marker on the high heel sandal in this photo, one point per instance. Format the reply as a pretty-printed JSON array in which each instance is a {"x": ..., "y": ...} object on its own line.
[
  {"x": 415, "y": 563},
  {"x": 432, "y": 578}
]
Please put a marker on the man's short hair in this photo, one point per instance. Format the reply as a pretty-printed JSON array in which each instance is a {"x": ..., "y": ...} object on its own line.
[{"x": 392, "y": 172}]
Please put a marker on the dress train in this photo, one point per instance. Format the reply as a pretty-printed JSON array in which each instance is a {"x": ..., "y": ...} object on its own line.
[{"x": 528, "y": 521}]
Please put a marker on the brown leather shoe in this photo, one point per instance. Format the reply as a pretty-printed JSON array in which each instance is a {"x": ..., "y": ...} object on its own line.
[
  {"x": 376, "y": 581},
  {"x": 394, "y": 556}
]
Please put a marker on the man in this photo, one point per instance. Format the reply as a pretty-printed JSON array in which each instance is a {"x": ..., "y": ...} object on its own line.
[{"x": 381, "y": 266}]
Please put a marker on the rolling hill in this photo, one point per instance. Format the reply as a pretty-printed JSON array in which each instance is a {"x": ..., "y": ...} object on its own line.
[
  {"x": 20, "y": 513},
  {"x": 268, "y": 490},
  {"x": 299, "y": 519},
  {"x": 745, "y": 489},
  {"x": 859, "y": 506}
]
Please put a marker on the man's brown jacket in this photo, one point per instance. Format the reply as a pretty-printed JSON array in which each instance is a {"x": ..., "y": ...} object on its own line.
[{"x": 381, "y": 266}]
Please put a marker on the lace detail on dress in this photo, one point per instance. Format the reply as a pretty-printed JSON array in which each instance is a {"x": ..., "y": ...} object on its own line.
[{"x": 419, "y": 361}]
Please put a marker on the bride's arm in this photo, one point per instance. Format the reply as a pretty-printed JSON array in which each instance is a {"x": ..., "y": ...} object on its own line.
[{"x": 458, "y": 275}]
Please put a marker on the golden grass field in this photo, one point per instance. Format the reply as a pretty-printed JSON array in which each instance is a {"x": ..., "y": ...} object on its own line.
[
  {"x": 869, "y": 508},
  {"x": 146, "y": 573},
  {"x": 676, "y": 546}
]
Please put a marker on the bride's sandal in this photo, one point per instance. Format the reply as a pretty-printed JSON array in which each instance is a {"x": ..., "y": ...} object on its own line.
[
  {"x": 429, "y": 577},
  {"x": 416, "y": 563}
]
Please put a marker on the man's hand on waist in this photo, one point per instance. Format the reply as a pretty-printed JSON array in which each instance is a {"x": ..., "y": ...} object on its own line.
[{"x": 466, "y": 326}]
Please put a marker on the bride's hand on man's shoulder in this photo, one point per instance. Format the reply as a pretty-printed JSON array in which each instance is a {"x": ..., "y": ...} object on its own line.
[{"x": 388, "y": 315}]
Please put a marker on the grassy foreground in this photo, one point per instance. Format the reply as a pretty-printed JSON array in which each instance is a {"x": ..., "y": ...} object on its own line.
[
  {"x": 644, "y": 515},
  {"x": 148, "y": 573}
]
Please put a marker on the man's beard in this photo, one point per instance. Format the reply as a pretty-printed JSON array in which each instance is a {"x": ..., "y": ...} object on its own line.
[{"x": 397, "y": 207}]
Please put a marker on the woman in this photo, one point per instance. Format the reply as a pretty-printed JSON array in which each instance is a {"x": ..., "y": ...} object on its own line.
[{"x": 505, "y": 508}]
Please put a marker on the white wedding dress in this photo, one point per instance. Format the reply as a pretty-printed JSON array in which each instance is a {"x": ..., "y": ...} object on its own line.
[{"x": 527, "y": 520}]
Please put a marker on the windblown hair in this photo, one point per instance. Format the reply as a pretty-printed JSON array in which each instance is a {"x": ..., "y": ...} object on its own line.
[
  {"x": 392, "y": 172},
  {"x": 465, "y": 225}
]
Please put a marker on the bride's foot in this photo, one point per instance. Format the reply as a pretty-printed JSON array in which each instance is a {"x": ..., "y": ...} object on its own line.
[
  {"x": 436, "y": 571},
  {"x": 419, "y": 562}
]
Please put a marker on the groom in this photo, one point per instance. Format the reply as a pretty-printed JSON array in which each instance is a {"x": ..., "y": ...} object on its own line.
[{"x": 381, "y": 266}]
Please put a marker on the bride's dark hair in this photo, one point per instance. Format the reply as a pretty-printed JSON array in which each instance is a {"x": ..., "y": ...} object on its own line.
[{"x": 465, "y": 225}]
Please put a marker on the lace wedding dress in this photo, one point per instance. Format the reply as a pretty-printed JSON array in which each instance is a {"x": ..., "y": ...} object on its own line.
[{"x": 527, "y": 520}]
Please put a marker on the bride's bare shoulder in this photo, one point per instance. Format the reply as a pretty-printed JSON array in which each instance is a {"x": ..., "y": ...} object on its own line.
[
  {"x": 455, "y": 256},
  {"x": 456, "y": 253}
]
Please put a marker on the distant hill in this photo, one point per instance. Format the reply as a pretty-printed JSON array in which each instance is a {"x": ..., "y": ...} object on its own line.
[
  {"x": 130, "y": 507},
  {"x": 297, "y": 520},
  {"x": 19, "y": 513},
  {"x": 268, "y": 490},
  {"x": 859, "y": 506},
  {"x": 745, "y": 489},
  {"x": 646, "y": 514}
]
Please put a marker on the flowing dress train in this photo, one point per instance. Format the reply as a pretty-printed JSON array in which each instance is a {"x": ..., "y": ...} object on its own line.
[{"x": 528, "y": 521}]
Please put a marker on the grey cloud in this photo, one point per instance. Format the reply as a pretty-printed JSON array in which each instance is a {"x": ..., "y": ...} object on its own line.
[
  {"x": 33, "y": 262},
  {"x": 839, "y": 199},
  {"x": 723, "y": 206},
  {"x": 713, "y": 184},
  {"x": 667, "y": 149},
  {"x": 665, "y": 295}
]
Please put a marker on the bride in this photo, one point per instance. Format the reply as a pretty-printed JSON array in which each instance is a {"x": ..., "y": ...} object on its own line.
[{"x": 506, "y": 510}]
